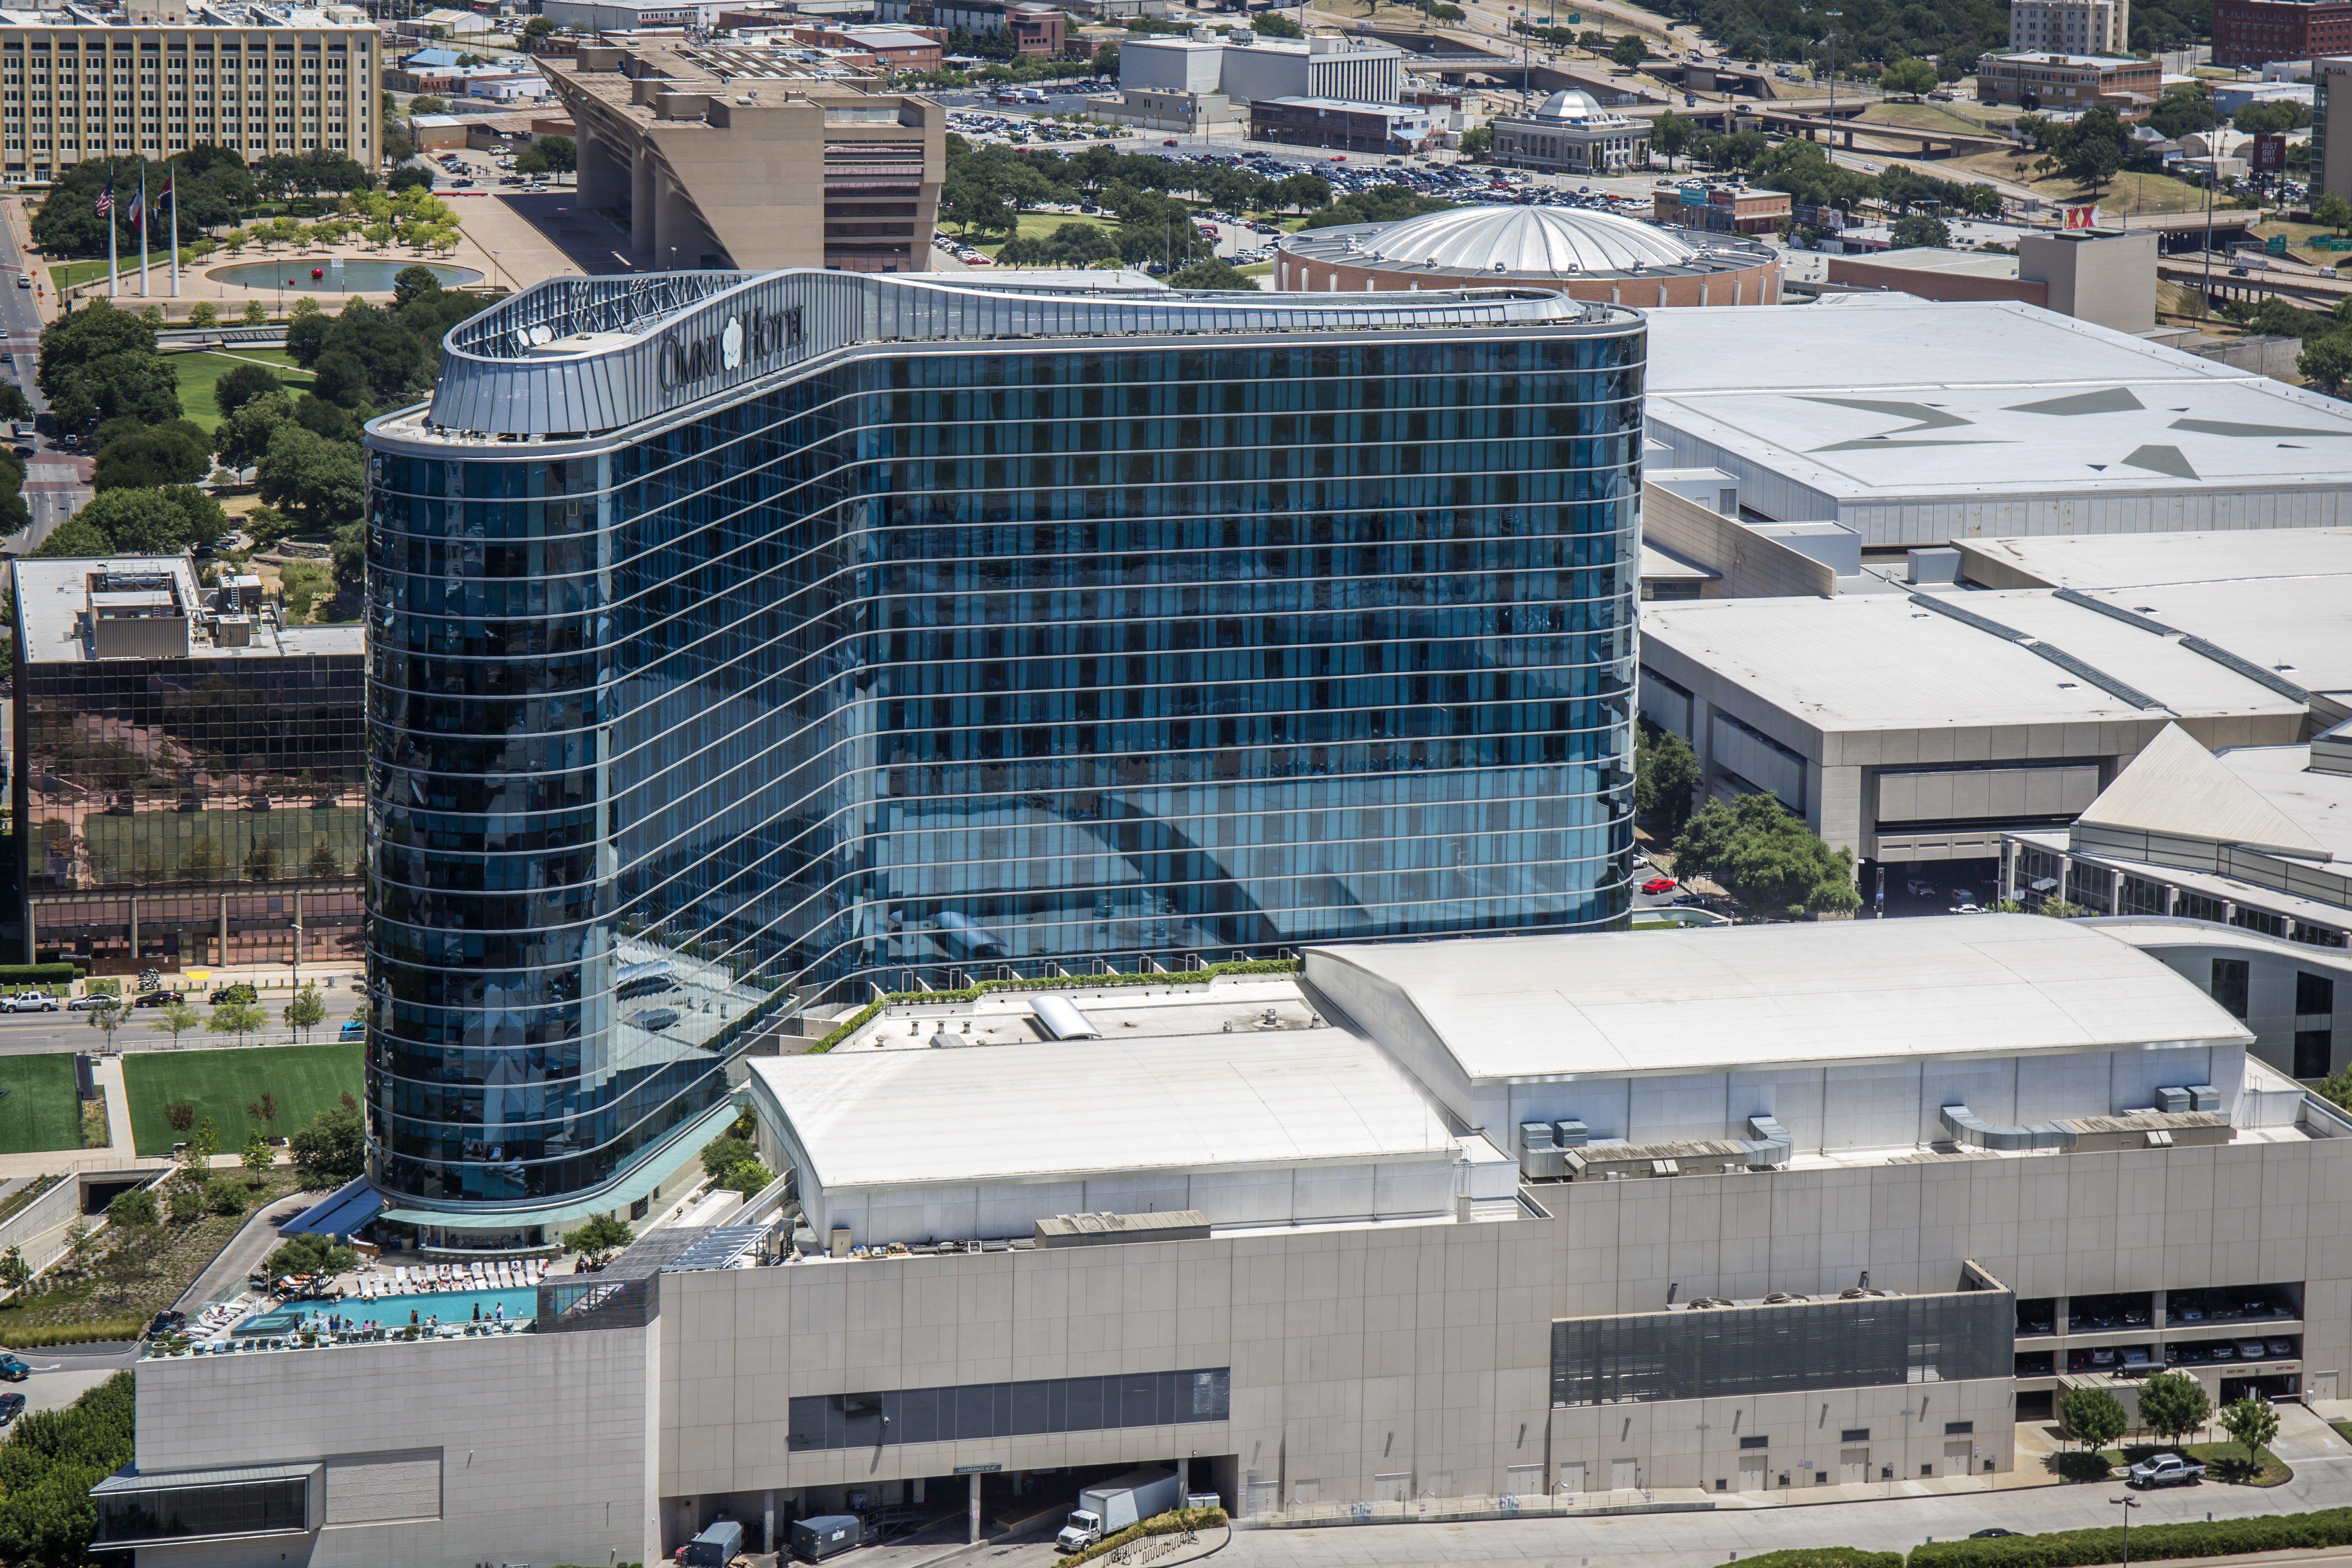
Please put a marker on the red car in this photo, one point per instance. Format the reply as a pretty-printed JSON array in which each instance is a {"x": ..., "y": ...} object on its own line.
[{"x": 1660, "y": 885}]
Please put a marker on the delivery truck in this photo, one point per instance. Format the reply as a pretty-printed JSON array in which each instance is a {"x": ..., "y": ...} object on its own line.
[{"x": 1111, "y": 1507}]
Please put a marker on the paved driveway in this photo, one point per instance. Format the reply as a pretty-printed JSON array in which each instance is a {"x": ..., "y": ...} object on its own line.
[{"x": 1704, "y": 1540}]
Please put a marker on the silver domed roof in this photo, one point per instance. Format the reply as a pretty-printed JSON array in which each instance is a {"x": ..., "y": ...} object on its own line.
[
  {"x": 1571, "y": 104},
  {"x": 1549, "y": 240}
]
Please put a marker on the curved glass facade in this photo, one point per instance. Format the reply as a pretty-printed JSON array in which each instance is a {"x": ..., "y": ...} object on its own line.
[{"x": 940, "y": 659}]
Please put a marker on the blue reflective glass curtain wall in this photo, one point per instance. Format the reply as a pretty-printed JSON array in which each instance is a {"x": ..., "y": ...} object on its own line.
[{"x": 937, "y": 660}]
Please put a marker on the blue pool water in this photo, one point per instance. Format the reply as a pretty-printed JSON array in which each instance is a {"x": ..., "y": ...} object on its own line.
[
  {"x": 392, "y": 1312},
  {"x": 352, "y": 278}
]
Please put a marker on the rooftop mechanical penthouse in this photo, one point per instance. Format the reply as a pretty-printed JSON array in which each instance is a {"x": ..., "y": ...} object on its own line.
[{"x": 743, "y": 642}]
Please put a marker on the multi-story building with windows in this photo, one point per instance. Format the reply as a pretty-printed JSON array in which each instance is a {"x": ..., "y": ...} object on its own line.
[
  {"x": 742, "y": 643},
  {"x": 188, "y": 769},
  {"x": 745, "y": 155},
  {"x": 2070, "y": 26},
  {"x": 2256, "y": 32},
  {"x": 259, "y": 81}
]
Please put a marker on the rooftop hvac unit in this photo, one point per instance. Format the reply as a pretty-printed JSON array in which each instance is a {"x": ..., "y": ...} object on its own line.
[
  {"x": 1570, "y": 1134},
  {"x": 2175, "y": 1100},
  {"x": 1539, "y": 1156}
]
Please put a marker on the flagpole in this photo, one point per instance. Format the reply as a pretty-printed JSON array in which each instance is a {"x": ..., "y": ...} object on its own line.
[
  {"x": 172, "y": 191},
  {"x": 113, "y": 267},
  {"x": 141, "y": 210}
]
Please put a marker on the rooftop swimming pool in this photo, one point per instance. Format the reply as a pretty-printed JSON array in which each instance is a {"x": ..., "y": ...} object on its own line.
[{"x": 393, "y": 1312}]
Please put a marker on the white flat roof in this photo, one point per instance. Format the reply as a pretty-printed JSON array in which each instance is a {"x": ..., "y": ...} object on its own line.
[
  {"x": 2318, "y": 802},
  {"x": 1054, "y": 1110},
  {"x": 2146, "y": 560},
  {"x": 1619, "y": 1005},
  {"x": 2300, "y": 628},
  {"x": 1898, "y": 398},
  {"x": 1877, "y": 661}
]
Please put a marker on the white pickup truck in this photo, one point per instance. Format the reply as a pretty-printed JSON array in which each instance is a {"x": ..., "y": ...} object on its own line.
[{"x": 2166, "y": 1470}]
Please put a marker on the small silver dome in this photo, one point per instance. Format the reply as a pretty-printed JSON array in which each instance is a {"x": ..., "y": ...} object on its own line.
[
  {"x": 1571, "y": 104},
  {"x": 1540, "y": 240}
]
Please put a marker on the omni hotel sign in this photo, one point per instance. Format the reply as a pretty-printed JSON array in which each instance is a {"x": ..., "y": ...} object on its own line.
[{"x": 751, "y": 338}]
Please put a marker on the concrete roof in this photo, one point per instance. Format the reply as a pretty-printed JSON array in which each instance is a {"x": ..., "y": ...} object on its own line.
[
  {"x": 52, "y": 595},
  {"x": 2318, "y": 803},
  {"x": 1636, "y": 1004},
  {"x": 1897, "y": 398},
  {"x": 1873, "y": 661},
  {"x": 2143, "y": 560},
  {"x": 1932, "y": 258},
  {"x": 2300, "y": 628},
  {"x": 2177, "y": 787},
  {"x": 1051, "y": 1110}
]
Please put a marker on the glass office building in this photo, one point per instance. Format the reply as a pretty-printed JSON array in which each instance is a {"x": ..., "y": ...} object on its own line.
[
  {"x": 189, "y": 767},
  {"x": 744, "y": 644}
]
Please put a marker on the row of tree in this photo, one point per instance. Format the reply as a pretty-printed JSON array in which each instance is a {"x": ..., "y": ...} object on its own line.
[
  {"x": 1753, "y": 846},
  {"x": 215, "y": 188},
  {"x": 2172, "y": 1405}
]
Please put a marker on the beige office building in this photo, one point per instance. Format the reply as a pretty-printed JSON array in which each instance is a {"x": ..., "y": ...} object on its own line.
[
  {"x": 258, "y": 81},
  {"x": 1424, "y": 1226},
  {"x": 2070, "y": 26},
  {"x": 736, "y": 157}
]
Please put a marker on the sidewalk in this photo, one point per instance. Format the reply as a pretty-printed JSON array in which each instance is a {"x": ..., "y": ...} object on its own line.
[{"x": 108, "y": 1072}]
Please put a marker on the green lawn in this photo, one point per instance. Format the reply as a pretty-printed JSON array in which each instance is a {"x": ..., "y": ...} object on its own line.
[
  {"x": 306, "y": 1079},
  {"x": 1921, "y": 116},
  {"x": 41, "y": 1111},
  {"x": 199, "y": 371},
  {"x": 1041, "y": 226}
]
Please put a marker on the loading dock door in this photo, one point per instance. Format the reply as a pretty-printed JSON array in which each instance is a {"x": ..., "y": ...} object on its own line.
[
  {"x": 1571, "y": 1477},
  {"x": 1392, "y": 1488},
  {"x": 1853, "y": 1465},
  {"x": 1622, "y": 1474},
  {"x": 1523, "y": 1480},
  {"x": 1956, "y": 1451},
  {"x": 1751, "y": 1472}
]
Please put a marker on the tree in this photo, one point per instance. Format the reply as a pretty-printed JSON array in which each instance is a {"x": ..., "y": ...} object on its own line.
[
  {"x": 412, "y": 283},
  {"x": 1106, "y": 61},
  {"x": 1919, "y": 229},
  {"x": 1772, "y": 859},
  {"x": 2327, "y": 362},
  {"x": 2092, "y": 1416},
  {"x": 181, "y": 1115},
  {"x": 723, "y": 1153},
  {"x": 306, "y": 1012},
  {"x": 323, "y": 481},
  {"x": 137, "y": 522},
  {"x": 135, "y": 456},
  {"x": 258, "y": 1155},
  {"x": 427, "y": 103},
  {"x": 341, "y": 380},
  {"x": 2184, "y": 109},
  {"x": 1211, "y": 274},
  {"x": 306, "y": 334},
  {"x": 238, "y": 1018},
  {"x": 174, "y": 1019},
  {"x": 1671, "y": 133},
  {"x": 204, "y": 312},
  {"x": 264, "y": 1112},
  {"x": 1907, "y": 79},
  {"x": 135, "y": 1210},
  {"x": 332, "y": 1149},
  {"x": 2269, "y": 119},
  {"x": 1665, "y": 779},
  {"x": 1628, "y": 51},
  {"x": 311, "y": 1253},
  {"x": 75, "y": 539},
  {"x": 15, "y": 1272},
  {"x": 549, "y": 155},
  {"x": 107, "y": 1017},
  {"x": 243, "y": 439},
  {"x": 241, "y": 386},
  {"x": 601, "y": 1237},
  {"x": 2172, "y": 1405},
  {"x": 2093, "y": 148},
  {"x": 13, "y": 403},
  {"x": 202, "y": 1146},
  {"x": 539, "y": 28},
  {"x": 220, "y": 1197},
  {"x": 1478, "y": 141},
  {"x": 2252, "y": 1424}
]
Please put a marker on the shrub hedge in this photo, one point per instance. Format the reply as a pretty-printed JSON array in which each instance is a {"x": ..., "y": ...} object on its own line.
[
  {"x": 1168, "y": 1523},
  {"x": 864, "y": 1014},
  {"x": 2151, "y": 1542},
  {"x": 37, "y": 973},
  {"x": 1821, "y": 1557}
]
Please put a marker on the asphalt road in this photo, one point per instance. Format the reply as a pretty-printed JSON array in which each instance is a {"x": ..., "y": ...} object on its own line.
[
  {"x": 34, "y": 1034},
  {"x": 53, "y": 490},
  {"x": 1704, "y": 1540}
]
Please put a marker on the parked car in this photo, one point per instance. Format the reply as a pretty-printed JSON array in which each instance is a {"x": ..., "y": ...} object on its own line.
[
  {"x": 1660, "y": 885},
  {"x": 1995, "y": 1533},
  {"x": 156, "y": 998},
  {"x": 23, "y": 281},
  {"x": 352, "y": 1029},
  {"x": 2185, "y": 1314},
  {"x": 2249, "y": 1350},
  {"x": 92, "y": 1003},
  {"x": 29, "y": 1001},
  {"x": 2280, "y": 1348},
  {"x": 2166, "y": 1470},
  {"x": 237, "y": 993},
  {"x": 13, "y": 1369},
  {"x": 11, "y": 1407}
]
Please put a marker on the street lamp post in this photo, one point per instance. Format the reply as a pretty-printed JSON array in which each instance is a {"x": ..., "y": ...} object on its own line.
[{"x": 2127, "y": 1503}]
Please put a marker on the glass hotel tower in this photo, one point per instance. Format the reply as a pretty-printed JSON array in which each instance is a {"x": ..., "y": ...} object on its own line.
[{"x": 742, "y": 643}]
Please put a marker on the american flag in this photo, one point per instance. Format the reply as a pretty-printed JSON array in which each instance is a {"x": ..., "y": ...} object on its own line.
[{"x": 105, "y": 199}]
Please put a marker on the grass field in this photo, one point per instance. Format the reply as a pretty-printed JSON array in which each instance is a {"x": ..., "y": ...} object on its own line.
[
  {"x": 2131, "y": 192},
  {"x": 1922, "y": 117},
  {"x": 306, "y": 1079},
  {"x": 65, "y": 274},
  {"x": 199, "y": 371},
  {"x": 40, "y": 1111},
  {"x": 1041, "y": 226}
]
